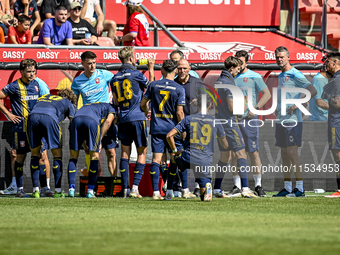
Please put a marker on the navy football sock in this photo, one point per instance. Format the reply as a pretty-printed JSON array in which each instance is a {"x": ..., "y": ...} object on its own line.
[
  {"x": 42, "y": 176},
  {"x": 241, "y": 167},
  {"x": 184, "y": 178},
  {"x": 172, "y": 172},
  {"x": 93, "y": 173},
  {"x": 72, "y": 173},
  {"x": 124, "y": 172},
  {"x": 139, "y": 170},
  {"x": 154, "y": 174},
  {"x": 164, "y": 171},
  {"x": 35, "y": 171},
  {"x": 219, "y": 174},
  {"x": 57, "y": 171},
  {"x": 18, "y": 169},
  {"x": 338, "y": 178}
]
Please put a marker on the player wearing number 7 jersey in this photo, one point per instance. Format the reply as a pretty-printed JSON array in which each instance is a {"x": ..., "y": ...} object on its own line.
[
  {"x": 168, "y": 99},
  {"x": 127, "y": 87}
]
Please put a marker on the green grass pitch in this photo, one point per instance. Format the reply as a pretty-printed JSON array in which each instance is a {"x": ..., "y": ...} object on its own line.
[{"x": 263, "y": 226}]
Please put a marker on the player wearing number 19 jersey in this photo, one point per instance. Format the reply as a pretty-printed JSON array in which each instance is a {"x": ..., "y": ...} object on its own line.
[
  {"x": 168, "y": 99},
  {"x": 127, "y": 87}
]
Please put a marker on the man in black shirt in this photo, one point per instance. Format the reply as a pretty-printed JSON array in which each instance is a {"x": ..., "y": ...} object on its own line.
[
  {"x": 80, "y": 27},
  {"x": 48, "y": 7}
]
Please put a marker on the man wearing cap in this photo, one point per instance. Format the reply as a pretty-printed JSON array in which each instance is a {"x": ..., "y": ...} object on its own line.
[
  {"x": 136, "y": 29},
  {"x": 89, "y": 8},
  {"x": 80, "y": 27}
]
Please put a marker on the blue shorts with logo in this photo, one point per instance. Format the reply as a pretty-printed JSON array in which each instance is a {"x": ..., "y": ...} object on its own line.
[
  {"x": 159, "y": 144},
  {"x": 110, "y": 140},
  {"x": 288, "y": 135},
  {"x": 84, "y": 129},
  {"x": 250, "y": 134},
  {"x": 20, "y": 143},
  {"x": 134, "y": 131},
  {"x": 334, "y": 138},
  {"x": 42, "y": 129},
  {"x": 202, "y": 175},
  {"x": 234, "y": 138}
]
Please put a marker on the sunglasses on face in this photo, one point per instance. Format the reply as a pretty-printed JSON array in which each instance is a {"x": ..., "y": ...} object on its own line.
[{"x": 77, "y": 9}]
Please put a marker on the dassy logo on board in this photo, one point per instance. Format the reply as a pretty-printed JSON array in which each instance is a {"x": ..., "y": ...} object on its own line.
[{"x": 238, "y": 102}]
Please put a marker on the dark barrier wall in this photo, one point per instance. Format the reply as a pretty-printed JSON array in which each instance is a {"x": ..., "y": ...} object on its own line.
[{"x": 315, "y": 156}]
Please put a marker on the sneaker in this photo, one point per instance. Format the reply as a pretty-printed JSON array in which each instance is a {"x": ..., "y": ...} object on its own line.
[
  {"x": 135, "y": 194},
  {"x": 157, "y": 197},
  {"x": 260, "y": 192},
  {"x": 90, "y": 195},
  {"x": 35, "y": 194},
  {"x": 247, "y": 193},
  {"x": 168, "y": 197},
  {"x": 208, "y": 193},
  {"x": 71, "y": 193},
  {"x": 177, "y": 194},
  {"x": 235, "y": 192},
  {"x": 336, "y": 194},
  {"x": 282, "y": 193},
  {"x": 47, "y": 193},
  {"x": 21, "y": 193},
  {"x": 197, "y": 192},
  {"x": 296, "y": 193},
  {"x": 60, "y": 195},
  {"x": 188, "y": 195},
  {"x": 9, "y": 191},
  {"x": 219, "y": 194}
]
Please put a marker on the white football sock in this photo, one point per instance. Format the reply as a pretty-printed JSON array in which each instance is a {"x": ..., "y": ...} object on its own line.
[
  {"x": 288, "y": 186},
  {"x": 299, "y": 185},
  {"x": 237, "y": 181},
  {"x": 257, "y": 179}
]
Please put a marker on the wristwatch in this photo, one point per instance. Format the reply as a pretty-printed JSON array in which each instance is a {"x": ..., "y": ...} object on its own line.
[
  {"x": 174, "y": 151},
  {"x": 257, "y": 108}
]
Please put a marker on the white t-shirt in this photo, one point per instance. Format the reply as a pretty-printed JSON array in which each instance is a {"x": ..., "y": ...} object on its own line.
[{"x": 90, "y": 8}]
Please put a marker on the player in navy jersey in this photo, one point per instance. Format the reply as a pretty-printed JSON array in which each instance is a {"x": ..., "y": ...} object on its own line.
[
  {"x": 23, "y": 94},
  {"x": 168, "y": 99},
  {"x": 288, "y": 135},
  {"x": 127, "y": 87},
  {"x": 43, "y": 122},
  {"x": 249, "y": 125},
  {"x": 93, "y": 85},
  {"x": 89, "y": 125},
  {"x": 201, "y": 130},
  {"x": 235, "y": 140},
  {"x": 333, "y": 67}
]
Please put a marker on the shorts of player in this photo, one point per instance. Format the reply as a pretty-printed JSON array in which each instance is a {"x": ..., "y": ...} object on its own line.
[
  {"x": 84, "y": 129},
  {"x": 110, "y": 140},
  {"x": 202, "y": 173},
  {"x": 134, "y": 131},
  {"x": 42, "y": 129},
  {"x": 159, "y": 144},
  {"x": 234, "y": 138},
  {"x": 334, "y": 138},
  {"x": 250, "y": 134},
  {"x": 20, "y": 143},
  {"x": 288, "y": 135}
]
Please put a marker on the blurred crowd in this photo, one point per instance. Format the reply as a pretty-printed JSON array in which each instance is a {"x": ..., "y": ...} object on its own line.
[{"x": 68, "y": 22}]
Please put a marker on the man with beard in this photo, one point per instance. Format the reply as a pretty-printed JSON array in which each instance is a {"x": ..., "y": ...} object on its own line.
[{"x": 57, "y": 30}]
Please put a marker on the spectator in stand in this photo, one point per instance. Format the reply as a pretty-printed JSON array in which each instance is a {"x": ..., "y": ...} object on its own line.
[
  {"x": 2, "y": 36},
  {"x": 89, "y": 8},
  {"x": 48, "y": 8},
  {"x": 28, "y": 8},
  {"x": 80, "y": 27},
  {"x": 57, "y": 30},
  {"x": 21, "y": 33},
  {"x": 136, "y": 30},
  {"x": 6, "y": 17}
]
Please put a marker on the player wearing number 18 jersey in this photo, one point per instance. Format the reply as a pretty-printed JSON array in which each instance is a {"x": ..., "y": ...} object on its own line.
[
  {"x": 168, "y": 99},
  {"x": 127, "y": 87}
]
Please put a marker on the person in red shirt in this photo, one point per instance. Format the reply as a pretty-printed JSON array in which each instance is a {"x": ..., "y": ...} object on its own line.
[
  {"x": 20, "y": 34},
  {"x": 2, "y": 36},
  {"x": 136, "y": 30}
]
